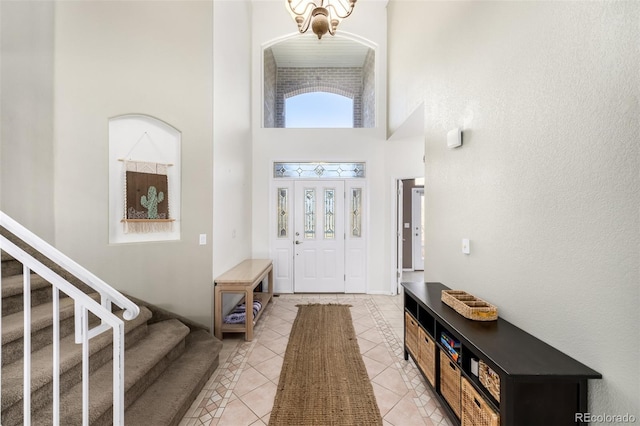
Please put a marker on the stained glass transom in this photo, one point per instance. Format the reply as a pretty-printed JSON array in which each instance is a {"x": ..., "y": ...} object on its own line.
[
  {"x": 283, "y": 212},
  {"x": 309, "y": 213},
  {"x": 329, "y": 214},
  {"x": 356, "y": 212},
  {"x": 315, "y": 170}
]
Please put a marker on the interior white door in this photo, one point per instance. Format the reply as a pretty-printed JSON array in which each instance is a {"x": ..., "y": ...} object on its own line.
[
  {"x": 417, "y": 227},
  {"x": 319, "y": 236},
  {"x": 399, "y": 239}
]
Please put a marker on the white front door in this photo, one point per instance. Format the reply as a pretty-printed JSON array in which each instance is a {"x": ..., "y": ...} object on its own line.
[{"x": 319, "y": 237}]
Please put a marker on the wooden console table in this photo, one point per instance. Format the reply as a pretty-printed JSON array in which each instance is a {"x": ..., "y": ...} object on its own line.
[{"x": 242, "y": 278}]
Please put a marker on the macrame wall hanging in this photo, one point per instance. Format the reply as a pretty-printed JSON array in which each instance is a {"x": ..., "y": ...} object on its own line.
[{"x": 146, "y": 196}]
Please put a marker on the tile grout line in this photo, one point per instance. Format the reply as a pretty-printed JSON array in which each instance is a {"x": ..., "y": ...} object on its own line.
[
  {"x": 396, "y": 350},
  {"x": 243, "y": 363},
  {"x": 240, "y": 355}
]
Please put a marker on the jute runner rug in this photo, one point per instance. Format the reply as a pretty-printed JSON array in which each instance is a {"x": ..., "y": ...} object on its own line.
[{"x": 323, "y": 380}]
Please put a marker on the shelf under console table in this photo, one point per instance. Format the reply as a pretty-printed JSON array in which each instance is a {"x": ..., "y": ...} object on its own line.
[{"x": 536, "y": 383}]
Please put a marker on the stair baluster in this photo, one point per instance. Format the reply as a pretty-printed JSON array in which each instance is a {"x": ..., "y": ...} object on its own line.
[
  {"x": 83, "y": 305},
  {"x": 169, "y": 358}
]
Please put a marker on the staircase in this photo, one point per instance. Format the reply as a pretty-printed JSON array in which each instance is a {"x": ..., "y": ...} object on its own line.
[{"x": 167, "y": 359}]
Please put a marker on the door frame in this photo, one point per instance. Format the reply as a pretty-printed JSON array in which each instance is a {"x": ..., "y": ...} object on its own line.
[
  {"x": 356, "y": 249},
  {"x": 395, "y": 277}
]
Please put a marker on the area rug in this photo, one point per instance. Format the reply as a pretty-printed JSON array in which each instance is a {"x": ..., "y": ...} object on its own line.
[{"x": 323, "y": 380}]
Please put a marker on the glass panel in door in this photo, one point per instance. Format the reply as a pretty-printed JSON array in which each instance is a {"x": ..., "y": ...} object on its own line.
[{"x": 319, "y": 236}]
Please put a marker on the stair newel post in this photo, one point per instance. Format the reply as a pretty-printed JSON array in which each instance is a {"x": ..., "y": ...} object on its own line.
[
  {"x": 56, "y": 355},
  {"x": 27, "y": 344},
  {"x": 0, "y": 335},
  {"x": 85, "y": 364},
  {"x": 118, "y": 374}
]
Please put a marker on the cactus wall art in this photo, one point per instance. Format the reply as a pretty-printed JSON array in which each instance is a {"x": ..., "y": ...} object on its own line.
[
  {"x": 151, "y": 201},
  {"x": 147, "y": 198},
  {"x": 145, "y": 174}
]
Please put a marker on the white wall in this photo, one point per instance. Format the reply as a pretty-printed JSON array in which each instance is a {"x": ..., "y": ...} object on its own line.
[
  {"x": 546, "y": 185},
  {"x": 403, "y": 160},
  {"x": 232, "y": 136},
  {"x": 272, "y": 22},
  {"x": 153, "y": 58},
  {"x": 26, "y": 105}
]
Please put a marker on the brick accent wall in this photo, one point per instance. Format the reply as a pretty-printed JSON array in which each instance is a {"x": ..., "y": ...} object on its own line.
[
  {"x": 269, "y": 96},
  {"x": 357, "y": 83},
  {"x": 369, "y": 91}
]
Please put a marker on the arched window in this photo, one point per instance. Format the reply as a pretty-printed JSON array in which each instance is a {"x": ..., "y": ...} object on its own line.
[
  {"x": 318, "y": 109},
  {"x": 301, "y": 65}
]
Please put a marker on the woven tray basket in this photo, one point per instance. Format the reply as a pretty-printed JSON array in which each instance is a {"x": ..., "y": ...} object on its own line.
[{"x": 469, "y": 306}]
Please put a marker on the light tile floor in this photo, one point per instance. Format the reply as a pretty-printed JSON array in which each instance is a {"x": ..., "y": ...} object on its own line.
[{"x": 242, "y": 389}]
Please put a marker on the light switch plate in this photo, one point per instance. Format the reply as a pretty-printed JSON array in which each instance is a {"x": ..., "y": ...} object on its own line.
[
  {"x": 203, "y": 239},
  {"x": 465, "y": 246},
  {"x": 454, "y": 138}
]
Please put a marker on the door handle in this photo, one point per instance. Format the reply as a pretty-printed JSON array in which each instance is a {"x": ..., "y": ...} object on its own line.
[{"x": 298, "y": 242}]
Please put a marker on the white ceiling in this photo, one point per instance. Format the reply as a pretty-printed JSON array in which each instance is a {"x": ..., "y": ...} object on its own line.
[{"x": 307, "y": 51}]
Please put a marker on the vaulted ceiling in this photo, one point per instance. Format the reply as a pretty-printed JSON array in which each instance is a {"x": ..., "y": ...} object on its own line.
[{"x": 331, "y": 51}]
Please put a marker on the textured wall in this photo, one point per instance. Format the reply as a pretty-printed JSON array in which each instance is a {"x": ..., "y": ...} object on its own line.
[{"x": 546, "y": 185}]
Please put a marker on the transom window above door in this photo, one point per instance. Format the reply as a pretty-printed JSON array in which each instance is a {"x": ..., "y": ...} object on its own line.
[{"x": 318, "y": 170}]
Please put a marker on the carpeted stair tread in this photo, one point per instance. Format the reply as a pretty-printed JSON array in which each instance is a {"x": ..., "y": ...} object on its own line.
[
  {"x": 162, "y": 356},
  {"x": 167, "y": 400},
  {"x": 41, "y": 317},
  {"x": 13, "y": 284},
  {"x": 70, "y": 356},
  {"x": 13, "y": 293},
  {"x": 140, "y": 360}
]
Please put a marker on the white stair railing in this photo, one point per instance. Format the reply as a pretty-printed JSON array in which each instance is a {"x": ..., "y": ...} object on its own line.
[{"x": 84, "y": 305}]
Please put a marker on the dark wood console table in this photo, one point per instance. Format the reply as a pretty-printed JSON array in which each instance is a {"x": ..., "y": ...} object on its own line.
[{"x": 538, "y": 384}]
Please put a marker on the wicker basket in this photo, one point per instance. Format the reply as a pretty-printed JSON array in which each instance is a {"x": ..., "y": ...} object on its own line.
[
  {"x": 475, "y": 410},
  {"x": 469, "y": 306},
  {"x": 489, "y": 379},
  {"x": 450, "y": 382},
  {"x": 427, "y": 356},
  {"x": 411, "y": 334}
]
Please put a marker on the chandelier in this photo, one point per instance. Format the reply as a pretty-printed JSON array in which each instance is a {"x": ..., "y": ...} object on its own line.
[{"x": 321, "y": 15}]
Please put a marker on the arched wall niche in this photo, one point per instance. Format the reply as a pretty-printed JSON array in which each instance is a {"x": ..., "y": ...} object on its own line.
[
  {"x": 144, "y": 152},
  {"x": 343, "y": 64}
]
